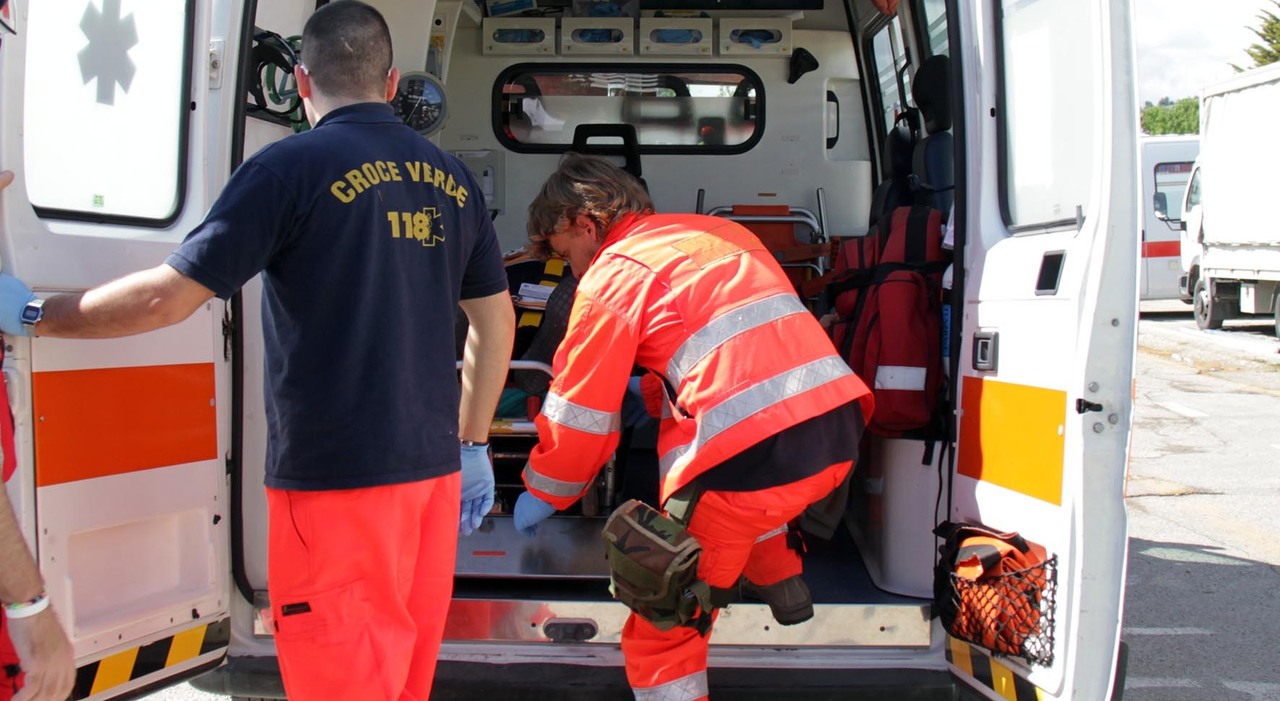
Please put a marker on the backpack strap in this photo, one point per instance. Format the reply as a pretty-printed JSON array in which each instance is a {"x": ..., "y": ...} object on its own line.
[{"x": 916, "y": 243}]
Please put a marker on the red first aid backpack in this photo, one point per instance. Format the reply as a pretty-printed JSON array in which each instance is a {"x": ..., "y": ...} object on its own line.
[{"x": 887, "y": 297}]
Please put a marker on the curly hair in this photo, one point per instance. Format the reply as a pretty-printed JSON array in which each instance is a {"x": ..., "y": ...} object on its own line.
[{"x": 583, "y": 185}]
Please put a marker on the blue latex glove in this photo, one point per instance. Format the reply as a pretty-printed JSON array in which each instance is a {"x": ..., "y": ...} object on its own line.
[
  {"x": 477, "y": 487},
  {"x": 14, "y": 295},
  {"x": 530, "y": 511}
]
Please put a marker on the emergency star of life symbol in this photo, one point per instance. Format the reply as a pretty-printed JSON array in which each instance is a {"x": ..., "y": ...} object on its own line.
[
  {"x": 106, "y": 57},
  {"x": 424, "y": 231}
]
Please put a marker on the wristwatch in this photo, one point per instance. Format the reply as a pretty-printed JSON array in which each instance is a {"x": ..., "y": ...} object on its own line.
[
  {"x": 470, "y": 443},
  {"x": 32, "y": 313}
]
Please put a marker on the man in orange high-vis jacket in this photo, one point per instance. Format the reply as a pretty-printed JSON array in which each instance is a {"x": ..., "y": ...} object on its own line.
[{"x": 759, "y": 413}]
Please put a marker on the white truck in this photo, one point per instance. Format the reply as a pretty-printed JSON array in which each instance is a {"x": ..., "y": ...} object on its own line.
[
  {"x": 1230, "y": 241},
  {"x": 140, "y": 459},
  {"x": 1166, "y": 163}
]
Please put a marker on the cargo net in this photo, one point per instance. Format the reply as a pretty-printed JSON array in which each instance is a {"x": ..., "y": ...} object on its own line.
[{"x": 1010, "y": 614}]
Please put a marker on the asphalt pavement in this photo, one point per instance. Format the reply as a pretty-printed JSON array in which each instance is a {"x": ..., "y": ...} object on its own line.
[{"x": 1203, "y": 585}]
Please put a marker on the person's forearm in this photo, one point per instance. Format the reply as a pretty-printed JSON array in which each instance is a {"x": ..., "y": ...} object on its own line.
[
  {"x": 144, "y": 301},
  {"x": 20, "y": 580},
  {"x": 485, "y": 362}
]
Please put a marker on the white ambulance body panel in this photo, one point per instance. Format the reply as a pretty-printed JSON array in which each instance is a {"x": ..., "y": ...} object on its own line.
[{"x": 113, "y": 118}]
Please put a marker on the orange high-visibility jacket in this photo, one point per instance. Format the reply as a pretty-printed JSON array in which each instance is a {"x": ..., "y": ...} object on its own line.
[{"x": 699, "y": 301}]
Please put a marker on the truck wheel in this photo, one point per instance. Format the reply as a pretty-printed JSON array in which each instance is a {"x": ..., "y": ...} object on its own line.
[
  {"x": 1209, "y": 311},
  {"x": 1275, "y": 304}
]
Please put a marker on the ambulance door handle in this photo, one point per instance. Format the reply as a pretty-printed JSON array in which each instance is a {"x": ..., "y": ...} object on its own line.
[
  {"x": 986, "y": 346},
  {"x": 831, "y": 140}
]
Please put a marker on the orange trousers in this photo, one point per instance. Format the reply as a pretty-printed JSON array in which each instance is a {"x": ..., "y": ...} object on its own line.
[
  {"x": 360, "y": 582},
  {"x": 672, "y": 665},
  {"x": 10, "y": 677}
]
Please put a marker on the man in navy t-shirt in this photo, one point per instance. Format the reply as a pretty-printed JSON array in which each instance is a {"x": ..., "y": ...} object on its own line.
[{"x": 368, "y": 237}]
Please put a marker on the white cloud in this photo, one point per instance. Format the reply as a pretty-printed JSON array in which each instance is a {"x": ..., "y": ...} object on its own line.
[{"x": 1184, "y": 45}]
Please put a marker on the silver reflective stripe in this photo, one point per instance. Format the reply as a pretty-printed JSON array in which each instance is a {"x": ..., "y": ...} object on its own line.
[
  {"x": 900, "y": 377},
  {"x": 566, "y": 413},
  {"x": 752, "y": 400},
  {"x": 720, "y": 330},
  {"x": 669, "y": 460},
  {"x": 777, "y": 531},
  {"x": 687, "y": 688},
  {"x": 554, "y": 487}
]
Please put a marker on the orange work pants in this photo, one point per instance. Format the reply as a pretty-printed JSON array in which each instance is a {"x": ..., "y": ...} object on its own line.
[
  {"x": 360, "y": 582},
  {"x": 10, "y": 677},
  {"x": 671, "y": 665}
]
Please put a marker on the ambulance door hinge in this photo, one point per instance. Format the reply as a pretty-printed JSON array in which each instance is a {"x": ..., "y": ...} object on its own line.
[
  {"x": 215, "y": 63},
  {"x": 1084, "y": 406},
  {"x": 228, "y": 327}
]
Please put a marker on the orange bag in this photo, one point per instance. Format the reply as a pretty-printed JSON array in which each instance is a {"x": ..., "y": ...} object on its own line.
[{"x": 996, "y": 590}]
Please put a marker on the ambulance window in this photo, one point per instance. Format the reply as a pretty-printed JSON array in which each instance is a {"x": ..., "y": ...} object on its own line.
[
  {"x": 1049, "y": 122},
  {"x": 888, "y": 53},
  {"x": 675, "y": 109},
  {"x": 1193, "y": 191},
  {"x": 106, "y": 110},
  {"x": 935, "y": 23},
  {"x": 1171, "y": 181}
]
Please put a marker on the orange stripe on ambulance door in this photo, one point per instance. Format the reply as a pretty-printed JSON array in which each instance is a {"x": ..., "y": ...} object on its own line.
[
  {"x": 1013, "y": 435},
  {"x": 95, "y": 423}
]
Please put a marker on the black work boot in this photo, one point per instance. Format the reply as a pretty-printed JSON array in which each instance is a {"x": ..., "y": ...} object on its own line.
[{"x": 789, "y": 599}]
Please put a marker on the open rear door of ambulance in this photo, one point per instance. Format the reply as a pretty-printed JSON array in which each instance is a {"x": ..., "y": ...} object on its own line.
[
  {"x": 1047, "y": 211},
  {"x": 115, "y": 117}
]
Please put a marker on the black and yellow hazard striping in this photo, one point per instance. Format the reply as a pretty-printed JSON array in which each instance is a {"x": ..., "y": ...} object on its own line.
[
  {"x": 552, "y": 274},
  {"x": 138, "y": 662},
  {"x": 991, "y": 673}
]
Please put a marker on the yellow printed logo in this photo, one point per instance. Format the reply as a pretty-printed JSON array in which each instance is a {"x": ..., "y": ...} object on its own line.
[
  {"x": 425, "y": 226},
  {"x": 370, "y": 175}
]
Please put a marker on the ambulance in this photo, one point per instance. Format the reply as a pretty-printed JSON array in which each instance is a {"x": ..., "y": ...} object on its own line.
[
  {"x": 1166, "y": 168},
  {"x": 140, "y": 460}
]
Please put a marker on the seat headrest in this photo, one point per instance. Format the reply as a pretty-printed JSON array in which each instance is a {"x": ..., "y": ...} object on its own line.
[
  {"x": 931, "y": 91},
  {"x": 898, "y": 147},
  {"x": 628, "y": 149}
]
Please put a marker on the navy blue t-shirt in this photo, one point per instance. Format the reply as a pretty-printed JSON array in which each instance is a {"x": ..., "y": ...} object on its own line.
[{"x": 367, "y": 236}]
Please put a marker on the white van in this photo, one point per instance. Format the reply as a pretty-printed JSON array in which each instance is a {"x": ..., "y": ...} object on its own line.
[
  {"x": 141, "y": 459},
  {"x": 1230, "y": 246},
  {"x": 1166, "y": 168}
]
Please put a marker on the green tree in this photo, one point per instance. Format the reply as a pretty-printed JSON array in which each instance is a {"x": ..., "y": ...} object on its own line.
[
  {"x": 1268, "y": 51},
  {"x": 1169, "y": 117}
]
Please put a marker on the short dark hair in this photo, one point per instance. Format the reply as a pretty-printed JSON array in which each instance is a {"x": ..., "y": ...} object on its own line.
[
  {"x": 588, "y": 185},
  {"x": 346, "y": 47}
]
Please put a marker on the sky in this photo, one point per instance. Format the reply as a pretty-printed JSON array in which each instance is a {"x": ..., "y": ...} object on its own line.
[{"x": 1184, "y": 45}]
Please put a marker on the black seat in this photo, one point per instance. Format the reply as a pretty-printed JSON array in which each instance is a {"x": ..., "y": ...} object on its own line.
[
  {"x": 628, "y": 148},
  {"x": 933, "y": 167},
  {"x": 894, "y": 189}
]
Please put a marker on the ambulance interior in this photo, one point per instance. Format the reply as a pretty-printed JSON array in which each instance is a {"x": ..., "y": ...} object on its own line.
[{"x": 776, "y": 117}]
